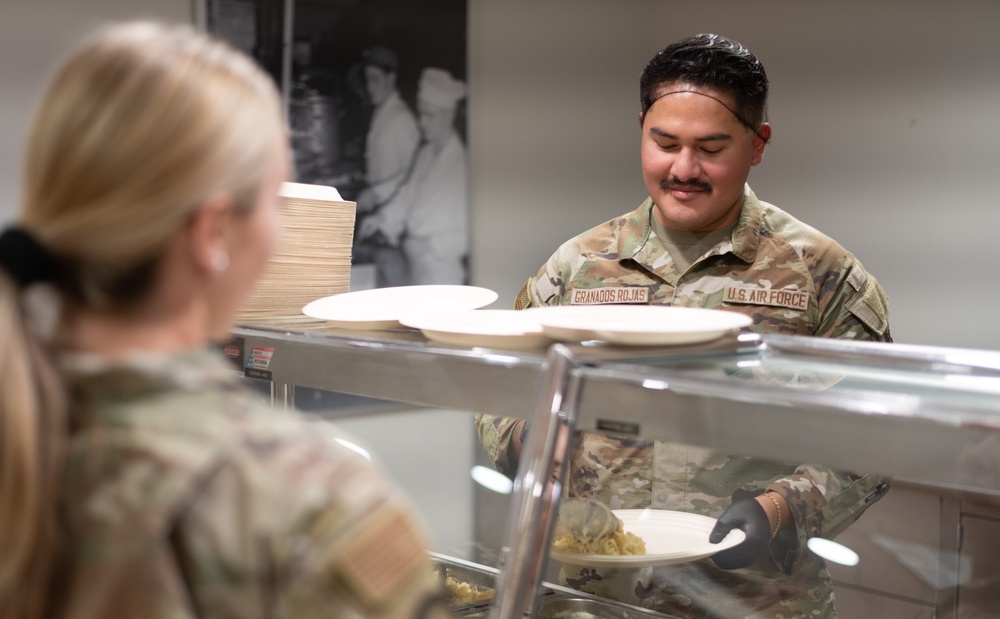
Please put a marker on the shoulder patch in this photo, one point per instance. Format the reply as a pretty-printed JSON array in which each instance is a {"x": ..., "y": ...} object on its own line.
[
  {"x": 384, "y": 557},
  {"x": 869, "y": 304},
  {"x": 523, "y": 299}
]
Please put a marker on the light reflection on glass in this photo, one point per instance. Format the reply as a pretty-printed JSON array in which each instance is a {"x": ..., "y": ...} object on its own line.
[
  {"x": 354, "y": 447},
  {"x": 833, "y": 552},
  {"x": 982, "y": 359},
  {"x": 982, "y": 384},
  {"x": 493, "y": 480},
  {"x": 504, "y": 360}
]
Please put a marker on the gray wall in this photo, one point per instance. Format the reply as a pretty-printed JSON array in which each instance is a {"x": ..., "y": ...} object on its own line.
[
  {"x": 885, "y": 129},
  {"x": 34, "y": 34},
  {"x": 885, "y": 136}
]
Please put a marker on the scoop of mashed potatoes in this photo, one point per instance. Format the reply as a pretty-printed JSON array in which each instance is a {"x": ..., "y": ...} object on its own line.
[{"x": 618, "y": 542}]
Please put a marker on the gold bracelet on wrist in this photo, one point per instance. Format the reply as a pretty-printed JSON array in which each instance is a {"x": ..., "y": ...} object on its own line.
[{"x": 777, "y": 522}]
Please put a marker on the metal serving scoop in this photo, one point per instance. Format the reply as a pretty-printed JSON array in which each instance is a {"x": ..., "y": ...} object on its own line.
[{"x": 586, "y": 519}]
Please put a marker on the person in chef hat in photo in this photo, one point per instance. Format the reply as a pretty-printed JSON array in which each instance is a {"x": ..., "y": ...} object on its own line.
[{"x": 428, "y": 220}]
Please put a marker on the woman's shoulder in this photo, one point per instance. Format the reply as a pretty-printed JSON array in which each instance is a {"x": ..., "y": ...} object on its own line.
[
  {"x": 155, "y": 438},
  {"x": 239, "y": 489}
]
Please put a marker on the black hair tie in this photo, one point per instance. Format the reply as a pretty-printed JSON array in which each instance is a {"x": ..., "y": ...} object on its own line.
[{"x": 24, "y": 257}]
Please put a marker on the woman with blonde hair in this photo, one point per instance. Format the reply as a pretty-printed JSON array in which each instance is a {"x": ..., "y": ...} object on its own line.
[{"x": 137, "y": 477}]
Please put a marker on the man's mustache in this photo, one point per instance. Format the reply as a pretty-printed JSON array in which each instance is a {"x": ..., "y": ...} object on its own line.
[{"x": 688, "y": 185}]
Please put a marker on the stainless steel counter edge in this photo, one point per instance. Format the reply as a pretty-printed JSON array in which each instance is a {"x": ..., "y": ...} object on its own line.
[
  {"x": 479, "y": 380},
  {"x": 867, "y": 431}
]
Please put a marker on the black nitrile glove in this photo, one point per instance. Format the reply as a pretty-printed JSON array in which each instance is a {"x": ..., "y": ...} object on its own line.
[{"x": 746, "y": 514}]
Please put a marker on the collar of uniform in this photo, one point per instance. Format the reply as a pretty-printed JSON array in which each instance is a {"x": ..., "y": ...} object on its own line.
[
  {"x": 630, "y": 244},
  {"x": 92, "y": 376},
  {"x": 745, "y": 239},
  {"x": 746, "y": 234},
  {"x": 637, "y": 242}
]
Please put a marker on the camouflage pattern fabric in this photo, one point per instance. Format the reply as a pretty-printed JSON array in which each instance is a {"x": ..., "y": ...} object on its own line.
[
  {"x": 187, "y": 496},
  {"x": 789, "y": 278}
]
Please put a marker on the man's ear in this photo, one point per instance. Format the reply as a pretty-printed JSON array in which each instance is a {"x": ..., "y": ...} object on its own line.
[
  {"x": 760, "y": 139},
  {"x": 641, "y": 118},
  {"x": 208, "y": 231}
]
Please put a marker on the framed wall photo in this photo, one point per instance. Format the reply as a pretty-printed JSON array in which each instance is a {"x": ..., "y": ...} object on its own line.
[
  {"x": 257, "y": 27},
  {"x": 376, "y": 99}
]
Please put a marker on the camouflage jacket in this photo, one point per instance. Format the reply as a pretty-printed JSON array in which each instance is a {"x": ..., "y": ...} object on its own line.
[
  {"x": 187, "y": 496},
  {"x": 789, "y": 278}
]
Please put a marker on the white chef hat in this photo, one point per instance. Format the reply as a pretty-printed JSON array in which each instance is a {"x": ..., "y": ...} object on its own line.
[{"x": 438, "y": 88}]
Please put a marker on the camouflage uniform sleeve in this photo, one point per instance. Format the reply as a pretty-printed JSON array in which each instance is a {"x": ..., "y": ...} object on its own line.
[
  {"x": 548, "y": 286},
  {"x": 375, "y": 567},
  {"x": 363, "y": 549},
  {"x": 502, "y": 438},
  {"x": 523, "y": 299},
  {"x": 307, "y": 528},
  {"x": 823, "y": 502},
  {"x": 543, "y": 289},
  {"x": 858, "y": 310}
]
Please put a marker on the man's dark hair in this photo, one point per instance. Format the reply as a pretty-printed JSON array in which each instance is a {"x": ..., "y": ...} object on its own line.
[
  {"x": 711, "y": 61},
  {"x": 381, "y": 57}
]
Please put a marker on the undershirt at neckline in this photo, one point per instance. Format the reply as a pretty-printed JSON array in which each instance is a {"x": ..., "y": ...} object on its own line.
[{"x": 687, "y": 247}]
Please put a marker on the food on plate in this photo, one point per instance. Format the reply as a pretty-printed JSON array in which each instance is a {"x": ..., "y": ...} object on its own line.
[
  {"x": 463, "y": 593},
  {"x": 618, "y": 542}
]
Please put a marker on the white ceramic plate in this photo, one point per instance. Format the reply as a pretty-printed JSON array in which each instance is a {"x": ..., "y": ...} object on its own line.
[
  {"x": 642, "y": 325},
  {"x": 382, "y": 308},
  {"x": 485, "y": 328},
  {"x": 671, "y": 537}
]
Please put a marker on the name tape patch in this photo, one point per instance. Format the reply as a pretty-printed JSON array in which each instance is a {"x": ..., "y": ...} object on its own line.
[
  {"x": 753, "y": 295},
  {"x": 600, "y": 296}
]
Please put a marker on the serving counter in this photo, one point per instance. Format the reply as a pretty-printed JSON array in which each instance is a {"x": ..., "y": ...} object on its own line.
[{"x": 928, "y": 416}]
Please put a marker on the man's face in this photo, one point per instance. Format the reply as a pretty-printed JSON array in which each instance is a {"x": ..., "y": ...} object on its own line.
[
  {"x": 379, "y": 84},
  {"x": 696, "y": 157},
  {"x": 435, "y": 122}
]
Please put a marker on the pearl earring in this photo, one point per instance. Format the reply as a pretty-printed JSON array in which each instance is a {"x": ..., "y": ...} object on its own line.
[{"x": 220, "y": 260}]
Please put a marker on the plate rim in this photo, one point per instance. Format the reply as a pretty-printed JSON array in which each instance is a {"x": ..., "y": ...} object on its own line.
[
  {"x": 437, "y": 328},
  {"x": 562, "y": 325},
  {"x": 495, "y": 340},
  {"x": 414, "y": 322},
  {"x": 387, "y": 321}
]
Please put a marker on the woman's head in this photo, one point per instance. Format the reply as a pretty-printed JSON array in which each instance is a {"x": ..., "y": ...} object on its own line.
[
  {"x": 154, "y": 147},
  {"x": 141, "y": 127}
]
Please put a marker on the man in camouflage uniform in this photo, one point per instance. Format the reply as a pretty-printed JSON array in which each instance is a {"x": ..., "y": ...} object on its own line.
[
  {"x": 703, "y": 239},
  {"x": 186, "y": 496}
]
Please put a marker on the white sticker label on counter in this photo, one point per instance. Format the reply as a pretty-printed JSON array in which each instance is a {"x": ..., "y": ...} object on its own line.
[{"x": 260, "y": 358}]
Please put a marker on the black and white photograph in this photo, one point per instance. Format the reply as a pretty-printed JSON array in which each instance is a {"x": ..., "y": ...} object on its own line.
[{"x": 376, "y": 96}]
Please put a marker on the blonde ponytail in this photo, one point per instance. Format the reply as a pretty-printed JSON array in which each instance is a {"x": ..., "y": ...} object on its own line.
[{"x": 32, "y": 434}]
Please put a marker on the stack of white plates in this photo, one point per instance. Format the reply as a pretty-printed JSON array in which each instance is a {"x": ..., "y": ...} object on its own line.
[{"x": 313, "y": 258}]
